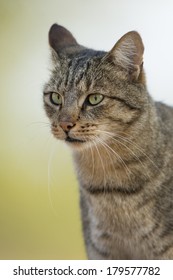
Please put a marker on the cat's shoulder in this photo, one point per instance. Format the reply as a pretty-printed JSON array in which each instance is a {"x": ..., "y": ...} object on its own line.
[
  {"x": 165, "y": 114},
  {"x": 164, "y": 109}
]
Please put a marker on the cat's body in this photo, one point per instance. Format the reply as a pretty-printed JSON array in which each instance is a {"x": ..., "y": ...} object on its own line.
[{"x": 122, "y": 146}]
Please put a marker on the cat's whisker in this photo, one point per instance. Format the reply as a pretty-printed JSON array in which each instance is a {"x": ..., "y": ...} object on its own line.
[
  {"x": 40, "y": 124},
  {"x": 109, "y": 153},
  {"x": 93, "y": 162},
  {"x": 140, "y": 150},
  {"x": 130, "y": 150},
  {"x": 105, "y": 171},
  {"x": 34, "y": 131},
  {"x": 128, "y": 171},
  {"x": 52, "y": 153},
  {"x": 133, "y": 144},
  {"x": 102, "y": 163}
]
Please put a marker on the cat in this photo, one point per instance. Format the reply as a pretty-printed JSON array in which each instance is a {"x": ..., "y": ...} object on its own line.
[{"x": 122, "y": 146}]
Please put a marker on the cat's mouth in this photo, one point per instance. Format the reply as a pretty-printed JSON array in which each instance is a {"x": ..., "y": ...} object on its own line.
[{"x": 73, "y": 140}]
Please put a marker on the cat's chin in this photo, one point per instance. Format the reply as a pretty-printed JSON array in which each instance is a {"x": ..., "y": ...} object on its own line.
[
  {"x": 73, "y": 140},
  {"x": 75, "y": 143}
]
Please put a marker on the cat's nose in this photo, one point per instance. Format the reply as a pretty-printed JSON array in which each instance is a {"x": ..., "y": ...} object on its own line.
[{"x": 66, "y": 126}]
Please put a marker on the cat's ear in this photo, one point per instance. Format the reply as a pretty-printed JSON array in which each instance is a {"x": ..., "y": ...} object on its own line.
[
  {"x": 128, "y": 53},
  {"x": 60, "y": 38}
]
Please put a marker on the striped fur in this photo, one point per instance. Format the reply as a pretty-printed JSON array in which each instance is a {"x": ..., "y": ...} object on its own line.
[{"x": 122, "y": 147}]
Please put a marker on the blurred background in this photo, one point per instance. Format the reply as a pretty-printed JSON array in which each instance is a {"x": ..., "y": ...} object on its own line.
[{"x": 39, "y": 201}]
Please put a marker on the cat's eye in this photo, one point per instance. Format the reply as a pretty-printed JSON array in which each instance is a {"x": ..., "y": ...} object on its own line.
[
  {"x": 56, "y": 98},
  {"x": 95, "y": 99}
]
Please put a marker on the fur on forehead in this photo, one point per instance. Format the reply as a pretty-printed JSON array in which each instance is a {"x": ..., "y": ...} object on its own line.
[{"x": 127, "y": 52}]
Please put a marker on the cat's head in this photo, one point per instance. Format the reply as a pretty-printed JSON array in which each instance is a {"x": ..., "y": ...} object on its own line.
[{"x": 92, "y": 95}]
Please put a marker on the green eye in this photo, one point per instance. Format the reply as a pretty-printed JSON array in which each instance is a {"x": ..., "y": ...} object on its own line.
[
  {"x": 95, "y": 99},
  {"x": 56, "y": 98}
]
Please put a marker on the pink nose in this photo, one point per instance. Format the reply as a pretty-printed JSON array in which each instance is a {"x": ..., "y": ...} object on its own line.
[{"x": 66, "y": 126}]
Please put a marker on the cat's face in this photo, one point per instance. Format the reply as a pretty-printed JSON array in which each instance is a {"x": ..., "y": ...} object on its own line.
[{"x": 93, "y": 95}]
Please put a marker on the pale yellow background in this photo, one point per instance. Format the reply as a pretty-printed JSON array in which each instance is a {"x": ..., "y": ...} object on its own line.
[{"x": 39, "y": 203}]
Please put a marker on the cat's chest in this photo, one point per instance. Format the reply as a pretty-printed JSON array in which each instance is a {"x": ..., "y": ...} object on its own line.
[
  {"x": 117, "y": 224},
  {"x": 118, "y": 215},
  {"x": 109, "y": 211}
]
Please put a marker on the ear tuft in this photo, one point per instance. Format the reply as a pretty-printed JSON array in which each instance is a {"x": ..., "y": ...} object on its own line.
[
  {"x": 128, "y": 53},
  {"x": 60, "y": 38}
]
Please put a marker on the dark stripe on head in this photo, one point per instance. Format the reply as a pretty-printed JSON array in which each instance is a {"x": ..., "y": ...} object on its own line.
[
  {"x": 83, "y": 71},
  {"x": 68, "y": 73},
  {"x": 73, "y": 65}
]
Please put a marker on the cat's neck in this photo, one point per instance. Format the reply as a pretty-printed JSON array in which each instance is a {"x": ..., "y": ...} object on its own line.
[
  {"x": 119, "y": 162},
  {"x": 101, "y": 166}
]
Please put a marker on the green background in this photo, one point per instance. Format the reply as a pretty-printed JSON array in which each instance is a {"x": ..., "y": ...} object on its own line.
[{"x": 39, "y": 203}]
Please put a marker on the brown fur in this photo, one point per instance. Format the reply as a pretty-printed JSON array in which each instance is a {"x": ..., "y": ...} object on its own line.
[{"x": 122, "y": 147}]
